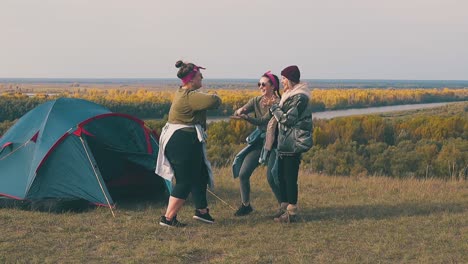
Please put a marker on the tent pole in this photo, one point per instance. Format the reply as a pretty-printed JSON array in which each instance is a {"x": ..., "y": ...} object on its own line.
[
  {"x": 97, "y": 177},
  {"x": 22, "y": 145}
]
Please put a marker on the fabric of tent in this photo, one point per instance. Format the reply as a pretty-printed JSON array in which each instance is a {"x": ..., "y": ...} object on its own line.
[{"x": 76, "y": 149}]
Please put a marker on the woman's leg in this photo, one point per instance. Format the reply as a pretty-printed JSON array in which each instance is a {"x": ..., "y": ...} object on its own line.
[
  {"x": 288, "y": 186},
  {"x": 282, "y": 174},
  {"x": 202, "y": 212},
  {"x": 291, "y": 166},
  {"x": 271, "y": 177},
  {"x": 180, "y": 159},
  {"x": 200, "y": 182},
  {"x": 173, "y": 207},
  {"x": 248, "y": 166}
]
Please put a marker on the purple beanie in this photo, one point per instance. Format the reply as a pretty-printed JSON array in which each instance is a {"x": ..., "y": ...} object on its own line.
[{"x": 292, "y": 73}]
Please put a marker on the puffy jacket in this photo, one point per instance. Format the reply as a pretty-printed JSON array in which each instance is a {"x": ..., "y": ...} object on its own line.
[{"x": 294, "y": 125}]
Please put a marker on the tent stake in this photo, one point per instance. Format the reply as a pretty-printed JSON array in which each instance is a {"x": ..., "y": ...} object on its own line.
[
  {"x": 97, "y": 177},
  {"x": 212, "y": 193}
]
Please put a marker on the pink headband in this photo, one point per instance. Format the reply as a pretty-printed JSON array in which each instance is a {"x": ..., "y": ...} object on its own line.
[
  {"x": 272, "y": 79},
  {"x": 191, "y": 75}
]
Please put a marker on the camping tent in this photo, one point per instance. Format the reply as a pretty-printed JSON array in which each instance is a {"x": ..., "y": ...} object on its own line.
[{"x": 76, "y": 149}]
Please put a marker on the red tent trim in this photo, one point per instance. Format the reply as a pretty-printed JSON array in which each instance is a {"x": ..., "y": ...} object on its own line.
[
  {"x": 7, "y": 144},
  {"x": 80, "y": 131},
  {"x": 148, "y": 140},
  {"x": 20, "y": 199},
  {"x": 80, "y": 128},
  {"x": 11, "y": 196},
  {"x": 103, "y": 205},
  {"x": 34, "y": 138},
  {"x": 139, "y": 121},
  {"x": 62, "y": 138},
  {"x": 112, "y": 114}
]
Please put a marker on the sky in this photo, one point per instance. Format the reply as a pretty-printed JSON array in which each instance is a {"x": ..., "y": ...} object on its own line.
[{"x": 333, "y": 39}]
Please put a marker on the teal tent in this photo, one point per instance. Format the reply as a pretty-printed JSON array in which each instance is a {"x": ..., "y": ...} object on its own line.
[{"x": 76, "y": 149}]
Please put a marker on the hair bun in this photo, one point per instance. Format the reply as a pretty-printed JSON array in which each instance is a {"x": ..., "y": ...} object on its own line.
[{"x": 179, "y": 64}]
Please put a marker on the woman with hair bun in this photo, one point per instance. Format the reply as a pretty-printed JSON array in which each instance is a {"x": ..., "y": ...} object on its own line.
[
  {"x": 182, "y": 151},
  {"x": 250, "y": 157}
]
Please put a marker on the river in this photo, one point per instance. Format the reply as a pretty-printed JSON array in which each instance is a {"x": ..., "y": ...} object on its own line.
[
  {"x": 359, "y": 111},
  {"x": 374, "y": 110}
]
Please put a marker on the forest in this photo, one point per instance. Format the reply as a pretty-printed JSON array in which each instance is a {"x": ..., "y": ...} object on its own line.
[
  {"x": 419, "y": 144},
  {"x": 150, "y": 104}
]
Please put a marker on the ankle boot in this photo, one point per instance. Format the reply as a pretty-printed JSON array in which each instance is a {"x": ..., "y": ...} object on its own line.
[
  {"x": 281, "y": 210},
  {"x": 289, "y": 216},
  {"x": 292, "y": 211}
]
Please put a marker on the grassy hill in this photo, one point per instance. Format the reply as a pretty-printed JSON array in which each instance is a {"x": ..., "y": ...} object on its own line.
[{"x": 343, "y": 220}]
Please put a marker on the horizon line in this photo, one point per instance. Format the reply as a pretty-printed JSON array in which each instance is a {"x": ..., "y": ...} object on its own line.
[{"x": 219, "y": 78}]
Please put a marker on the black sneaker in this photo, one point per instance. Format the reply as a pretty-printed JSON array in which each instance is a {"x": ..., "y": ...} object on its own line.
[
  {"x": 172, "y": 223},
  {"x": 206, "y": 217},
  {"x": 244, "y": 210}
]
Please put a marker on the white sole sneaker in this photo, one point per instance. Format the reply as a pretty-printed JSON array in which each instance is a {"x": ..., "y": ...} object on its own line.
[
  {"x": 203, "y": 219},
  {"x": 163, "y": 224}
]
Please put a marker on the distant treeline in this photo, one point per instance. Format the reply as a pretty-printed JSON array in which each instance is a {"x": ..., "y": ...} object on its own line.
[
  {"x": 148, "y": 104},
  {"x": 418, "y": 145},
  {"x": 12, "y": 108},
  {"x": 429, "y": 143}
]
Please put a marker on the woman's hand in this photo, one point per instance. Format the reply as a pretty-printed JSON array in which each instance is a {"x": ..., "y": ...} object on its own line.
[
  {"x": 274, "y": 107},
  {"x": 241, "y": 116},
  {"x": 239, "y": 111}
]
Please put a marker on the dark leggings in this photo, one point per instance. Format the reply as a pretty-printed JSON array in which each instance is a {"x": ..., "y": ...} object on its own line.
[
  {"x": 248, "y": 166},
  {"x": 185, "y": 153},
  {"x": 288, "y": 170}
]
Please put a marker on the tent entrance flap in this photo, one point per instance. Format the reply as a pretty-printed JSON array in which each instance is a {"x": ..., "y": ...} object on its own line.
[
  {"x": 127, "y": 175},
  {"x": 93, "y": 164}
]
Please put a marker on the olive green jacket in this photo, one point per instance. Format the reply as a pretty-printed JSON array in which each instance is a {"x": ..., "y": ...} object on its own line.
[{"x": 189, "y": 107}]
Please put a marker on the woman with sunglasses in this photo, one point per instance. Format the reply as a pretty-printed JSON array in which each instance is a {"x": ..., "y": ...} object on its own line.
[
  {"x": 290, "y": 131},
  {"x": 247, "y": 159},
  {"x": 182, "y": 150}
]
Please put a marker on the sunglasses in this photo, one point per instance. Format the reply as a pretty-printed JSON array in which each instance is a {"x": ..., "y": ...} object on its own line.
[{"x": 261, "y": 84}]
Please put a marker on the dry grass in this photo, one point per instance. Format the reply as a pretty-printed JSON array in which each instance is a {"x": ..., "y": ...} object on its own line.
[{"x": 344, "y": 220}]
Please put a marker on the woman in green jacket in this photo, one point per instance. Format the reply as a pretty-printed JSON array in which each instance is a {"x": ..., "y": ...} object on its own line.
[
  {"x": 257, "y": 113},
  {"x": 182, "y": 151}
]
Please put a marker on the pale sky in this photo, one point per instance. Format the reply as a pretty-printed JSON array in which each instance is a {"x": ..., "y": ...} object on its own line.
[{"x": 327, "y": 39}]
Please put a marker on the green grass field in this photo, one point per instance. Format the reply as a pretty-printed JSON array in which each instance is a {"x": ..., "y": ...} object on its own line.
[{"x": 343, "y": 220}]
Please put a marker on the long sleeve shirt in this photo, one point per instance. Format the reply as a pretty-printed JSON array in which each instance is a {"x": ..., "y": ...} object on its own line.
[
  {"x": 261, "y": 113},
  {"x": 189, "y": 107}
]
